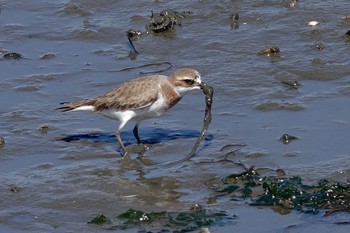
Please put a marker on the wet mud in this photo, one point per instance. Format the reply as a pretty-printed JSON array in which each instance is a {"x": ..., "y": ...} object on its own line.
[{"x": 58, "y": 172}]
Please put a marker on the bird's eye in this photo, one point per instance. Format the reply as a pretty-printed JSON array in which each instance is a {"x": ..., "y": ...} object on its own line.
[{"x": 189, "y": 81}]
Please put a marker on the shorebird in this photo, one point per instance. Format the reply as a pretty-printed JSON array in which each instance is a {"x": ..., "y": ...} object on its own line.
[{"x": 140, "y": 98}]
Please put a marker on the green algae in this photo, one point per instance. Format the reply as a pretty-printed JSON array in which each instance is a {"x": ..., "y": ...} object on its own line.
[
  {"x": 99, "y": 219},
  {"x": 163, "y": 221},
  {"x": 287, "y": 192}
]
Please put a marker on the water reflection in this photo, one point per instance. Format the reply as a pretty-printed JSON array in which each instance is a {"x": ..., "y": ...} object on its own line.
[{"x": 149, "y": 137}]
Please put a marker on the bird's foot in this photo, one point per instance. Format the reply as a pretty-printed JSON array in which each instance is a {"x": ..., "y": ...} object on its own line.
[
  {"x": 138, "y": 148},
  {"x": 142, "y": 148}
]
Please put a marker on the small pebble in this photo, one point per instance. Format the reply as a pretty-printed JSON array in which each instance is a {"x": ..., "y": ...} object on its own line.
[
  {"x": 234, "y": 16},
  {"x": 234, "y": 21},
  {"x": 286, "y": 138},
  {"x": 2, "y": 140},
  {"x": 44, "y": 129},
  {"x": 293, "y": 3},
  {"x": 313, "y": 23},
  {"x": 132, "y": 33},
  {"x": 269, "y": 51},
  {"x": 47, "y": 56},
  {"x": 15, "y": 189},
  {"x": 291, "y": 83},
  {"x": 15, "y": 56},
  {"x": 319, "y": 46},
  {"x": 196, "y": 207}
]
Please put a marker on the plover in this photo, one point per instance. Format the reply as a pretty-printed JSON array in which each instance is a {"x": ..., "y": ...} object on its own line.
[{"x": 140, "y": 98}]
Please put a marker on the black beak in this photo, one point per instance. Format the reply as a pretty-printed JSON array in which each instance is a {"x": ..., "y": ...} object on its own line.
[{"x": 202, "y": 85}]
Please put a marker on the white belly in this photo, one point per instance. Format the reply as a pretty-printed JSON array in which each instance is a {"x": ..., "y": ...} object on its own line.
[{"x": 158, "y": 108}]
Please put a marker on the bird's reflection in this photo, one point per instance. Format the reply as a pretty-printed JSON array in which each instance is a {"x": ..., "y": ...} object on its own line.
[{"x": 150, "y": 135}]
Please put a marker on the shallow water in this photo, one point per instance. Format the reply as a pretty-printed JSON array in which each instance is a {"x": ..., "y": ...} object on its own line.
[{"x": 62, "y": 185}]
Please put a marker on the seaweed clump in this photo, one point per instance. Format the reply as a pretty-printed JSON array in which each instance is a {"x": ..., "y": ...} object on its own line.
[
  {"x": 164, "y": 221},
  {"x": 288, "y": 193}
]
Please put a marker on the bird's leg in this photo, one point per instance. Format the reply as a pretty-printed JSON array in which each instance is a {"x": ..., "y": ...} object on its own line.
[
  {"x": 142, "y": 147},
  {"x": 117, "y": 134},
  {"x": 136, "y": 133}
]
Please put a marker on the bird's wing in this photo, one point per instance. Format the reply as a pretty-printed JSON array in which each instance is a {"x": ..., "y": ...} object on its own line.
[{"x": 133, "y": 94}]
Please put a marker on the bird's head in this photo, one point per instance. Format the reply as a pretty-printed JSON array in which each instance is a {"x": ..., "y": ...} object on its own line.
[{"x": 186, "y": 80}]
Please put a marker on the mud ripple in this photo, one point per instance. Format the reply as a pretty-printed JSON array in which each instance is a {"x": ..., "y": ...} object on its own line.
[{"x": 271, "y": 106}]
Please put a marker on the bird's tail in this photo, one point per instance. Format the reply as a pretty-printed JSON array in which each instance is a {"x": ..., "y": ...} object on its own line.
[
  {"x": 65, "y": 108},
  {"x": 87, "y": 105}
]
